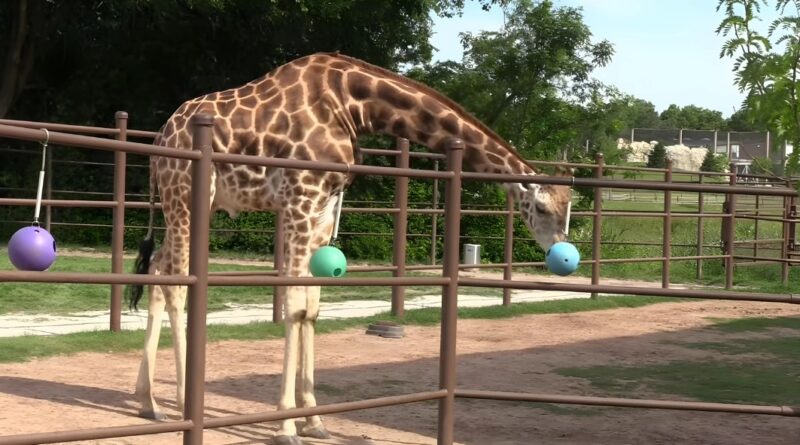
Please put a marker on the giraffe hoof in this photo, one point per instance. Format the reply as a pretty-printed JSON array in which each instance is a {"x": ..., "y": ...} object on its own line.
[
  {"x": 288, "y": 440},
  {"x": 155, "y": 415},
  {"x": 317, "y": 432}
]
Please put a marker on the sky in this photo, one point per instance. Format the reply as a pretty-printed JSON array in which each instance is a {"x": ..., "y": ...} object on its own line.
[{"x": 665, "y": 51}]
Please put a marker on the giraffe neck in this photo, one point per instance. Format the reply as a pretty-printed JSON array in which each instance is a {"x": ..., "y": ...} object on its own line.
[{"x": 379, "y": 101}]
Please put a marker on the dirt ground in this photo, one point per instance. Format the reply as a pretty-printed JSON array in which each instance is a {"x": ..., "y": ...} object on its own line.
[{"x": 519, "y": 354}]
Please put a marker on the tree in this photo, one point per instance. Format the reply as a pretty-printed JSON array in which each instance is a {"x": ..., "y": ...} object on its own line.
[
  {"x": 527, "y": 80},
  {"x": 713, "y": 162},
  {"x": 21, "y": 31},
  {"x": 638, "y": 113},
  {"x": 766, "y": 66},
  {"x": 739, "y": 121},
  {"x": 657, "y": 157},
  {"x": 691, "y": 117},
  {"x": 148, "y": 56}
]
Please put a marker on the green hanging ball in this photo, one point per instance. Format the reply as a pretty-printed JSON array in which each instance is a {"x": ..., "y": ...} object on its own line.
[{"x": 328, "y": 261}]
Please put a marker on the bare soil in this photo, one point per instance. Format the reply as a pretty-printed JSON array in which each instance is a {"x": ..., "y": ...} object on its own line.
[{"x": 95, "y": 390}]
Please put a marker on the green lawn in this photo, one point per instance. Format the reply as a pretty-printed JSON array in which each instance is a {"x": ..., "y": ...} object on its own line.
[
  {"x": 754, "y": 370},
  {"x": 37, "y": 298},
  {"x": 16, "y": 349}
]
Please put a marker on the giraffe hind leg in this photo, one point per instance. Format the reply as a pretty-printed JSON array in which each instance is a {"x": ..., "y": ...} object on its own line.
[{"x": 144, "y": 384}]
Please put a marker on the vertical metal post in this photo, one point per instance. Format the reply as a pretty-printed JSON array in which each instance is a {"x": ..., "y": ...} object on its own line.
[
  {"x": 755, "y": 229},
  {"x": 434, "y": 221},
  {"x": 700, "y": 227},
  {"x": 789, "y": 234},
  {"x": 633, "y": 130},
  {"x": 48, "y": 189},
  {"x": 447, "y": 354},
  {"x": 729, "y": 145},
  {"x": 118, "y": 228},
  {"x": 730, "y": 237},
  {"x": 198, "y": 267},
  {"x": 767, "y": 145},
  {"x": 680, "y": 136},
  {"x": 716, "y": 141},
  {"x": 400, "y": 228},
  {"x": 508, "y": 247},
  {"x": 279, "y": 264},
  {"x": 597, "y": 223},
  {"x": 667, "y": 246}
]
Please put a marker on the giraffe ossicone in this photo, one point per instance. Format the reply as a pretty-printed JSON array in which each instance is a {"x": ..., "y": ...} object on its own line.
[{"x": 312, "y": 108}]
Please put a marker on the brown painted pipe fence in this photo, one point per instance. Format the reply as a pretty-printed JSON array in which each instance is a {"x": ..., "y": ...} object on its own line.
[
  {"x": 402, "y": 154},
  {"x": 199, "y": 279}
]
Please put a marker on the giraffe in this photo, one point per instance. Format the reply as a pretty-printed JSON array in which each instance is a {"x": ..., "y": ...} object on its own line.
[{"x": 312, "y": 108}]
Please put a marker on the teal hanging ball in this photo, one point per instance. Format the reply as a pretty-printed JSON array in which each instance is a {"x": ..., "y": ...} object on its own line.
[
  {"x": 562, "y": 258},
  {"x": 328, "y": 261}
]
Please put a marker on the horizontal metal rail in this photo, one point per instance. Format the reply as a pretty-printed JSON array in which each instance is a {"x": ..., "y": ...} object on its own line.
[
  {"x": 632, "y": 290},
  {"x": 333, "y": 408},
  {"x": 656, "y": 259},
  {"x": 222, "y": 280},
  {"x": 412, "y": 154},
  {"x": 67, "y": 128},
  {"x": 75, "y": 140},
  {"x": 625, "y": 184},
  {"x": 329, "y": 166},
  {"x": 768, "y": 218},
  {"x": 778, "y": 410},
  {"x": 773, "y": 260},
  {"x": 93, "y": 278},
  {"x": 97, "y": 433}
]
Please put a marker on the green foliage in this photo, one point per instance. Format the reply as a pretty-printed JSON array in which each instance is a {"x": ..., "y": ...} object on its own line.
[
  {"x": 691, "y": 117},
  {"x": 739, "y": 121},
  {"x": 658, "y": 157},
  {"x": 762, "y": 166},
  {"x": 526, "y": 80},
  {"x": 765, "y": 66},
  {"x": 713, "y": 162}
]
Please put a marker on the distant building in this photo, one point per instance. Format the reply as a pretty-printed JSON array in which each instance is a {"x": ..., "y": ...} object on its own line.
[{"x": 738, "y": 146}]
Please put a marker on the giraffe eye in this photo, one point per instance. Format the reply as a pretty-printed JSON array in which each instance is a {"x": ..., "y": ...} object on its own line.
[{"x": 540, "y": 208}]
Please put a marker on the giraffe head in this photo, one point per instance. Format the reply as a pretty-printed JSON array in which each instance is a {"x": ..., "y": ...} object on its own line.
[{"x": 545, "y": 209}]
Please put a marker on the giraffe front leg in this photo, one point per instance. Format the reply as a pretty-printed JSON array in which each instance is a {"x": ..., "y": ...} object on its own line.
[
  {"x": 313, "y": 427},
  {"x": 294, "y": 312},
  {"x": 144, "y": 384}
]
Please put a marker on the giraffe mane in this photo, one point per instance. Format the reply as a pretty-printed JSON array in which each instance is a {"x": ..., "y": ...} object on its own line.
[{"x": 466, "y": 115}]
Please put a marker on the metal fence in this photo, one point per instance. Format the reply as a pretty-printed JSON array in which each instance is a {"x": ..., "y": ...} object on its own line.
[
  {"x": 199, "y": 278},
  {"x": 756, "y": 249},
  {"x": 736, "y": 145}
]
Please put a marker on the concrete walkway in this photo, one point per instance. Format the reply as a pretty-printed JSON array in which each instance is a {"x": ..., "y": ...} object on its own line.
[{"x": 40, "y": 324}]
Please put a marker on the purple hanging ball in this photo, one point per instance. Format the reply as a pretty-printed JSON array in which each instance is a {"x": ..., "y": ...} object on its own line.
[{"x": 32, "y": 248}]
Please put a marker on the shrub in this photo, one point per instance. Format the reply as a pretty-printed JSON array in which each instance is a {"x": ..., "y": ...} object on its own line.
[{"x": 657, "y": 157}]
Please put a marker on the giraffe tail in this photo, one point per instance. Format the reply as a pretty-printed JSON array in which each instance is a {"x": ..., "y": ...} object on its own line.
[{"x": 146, "y": 246}]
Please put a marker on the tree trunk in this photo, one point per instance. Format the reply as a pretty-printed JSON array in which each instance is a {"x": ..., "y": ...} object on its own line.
[{"x": 19, "y": 56}]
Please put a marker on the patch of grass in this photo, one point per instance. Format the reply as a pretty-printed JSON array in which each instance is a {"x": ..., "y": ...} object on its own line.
[
  {"x": 756, "y": 324},
  {"x": 569, "y": 410},
  {"x": 715, "y": 381},
  {"x": 734, "y": 378},
  {"x": 16, "y": 349},
  {"x": 431, "y": 316},
  {"x": 784, "y": 349},
  {"x": 38, "y": 298}
]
